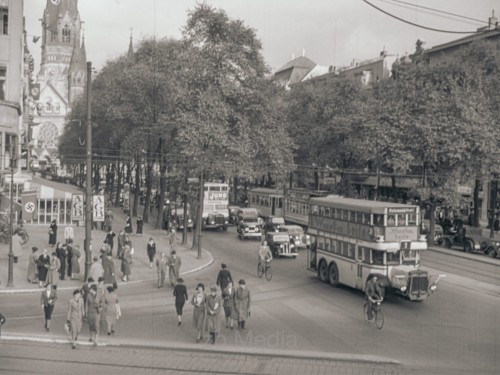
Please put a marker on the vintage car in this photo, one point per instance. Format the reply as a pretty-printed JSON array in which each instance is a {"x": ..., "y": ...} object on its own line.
[
  {"x": 273, "y": 224},
  {"x": 246, "y": 213},
  {"x": 248, "y": 227},
  {"x": 178, "y": 219},
  {"x": 297, "y": 236},
  {"x": 280, "y": 246}
]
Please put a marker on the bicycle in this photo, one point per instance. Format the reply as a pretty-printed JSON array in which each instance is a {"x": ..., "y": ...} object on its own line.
[
  {"x": 265, "y": 269},
  {"x": 376, "y": 312}
]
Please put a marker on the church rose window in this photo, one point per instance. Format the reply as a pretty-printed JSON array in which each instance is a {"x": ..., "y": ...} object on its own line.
[{"x": 48, "y": 135}]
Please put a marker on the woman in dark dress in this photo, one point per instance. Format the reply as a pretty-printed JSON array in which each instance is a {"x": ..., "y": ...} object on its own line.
[
  {"x": 128, "y": 226},
  {"x": 43, "y": 267},
  {"x": 139, "y": 224},
  {"x": 53, "y": 233},
  {"x": 151, "y": 250},
  {"x": 181, "y": 296}
]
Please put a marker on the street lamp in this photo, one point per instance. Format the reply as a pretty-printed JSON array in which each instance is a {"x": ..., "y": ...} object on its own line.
[
  {"x": 10, "y": 281},
  {"x": 88, "y": 175}
]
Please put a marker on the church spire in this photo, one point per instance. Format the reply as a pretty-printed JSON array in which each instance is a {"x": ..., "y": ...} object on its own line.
[{"x": 130, "y": 53}]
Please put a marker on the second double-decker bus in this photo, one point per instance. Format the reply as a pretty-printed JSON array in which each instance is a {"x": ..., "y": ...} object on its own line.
[
  {"x": 354, "y": 240},
  {"x": 215, "y": 213}
]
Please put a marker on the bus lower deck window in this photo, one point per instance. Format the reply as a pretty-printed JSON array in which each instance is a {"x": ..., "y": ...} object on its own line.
[{"x": 378, "y": 257}]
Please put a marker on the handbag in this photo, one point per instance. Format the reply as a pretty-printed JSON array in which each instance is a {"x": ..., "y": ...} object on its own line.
[
  {"x": 118, "y": 311},
  {"x": 67, "y": 327}
]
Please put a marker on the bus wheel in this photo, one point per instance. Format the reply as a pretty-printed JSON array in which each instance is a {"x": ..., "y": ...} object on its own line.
[
  {"x": 323, "y": 271},
  {"x": 333, "y": 274}
]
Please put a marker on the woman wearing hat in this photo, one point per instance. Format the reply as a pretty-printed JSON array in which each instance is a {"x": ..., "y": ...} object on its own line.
[
  {"x": 94, "y": 311},
  {"x": 213, "y": 311},
  {"x": 199, "y": 301},
  {"x": 181, "y": 296},
  {"x": 75, "y": 316},
  {"x": 32, "y": 266},
  {"x": 242, "y": 303}
]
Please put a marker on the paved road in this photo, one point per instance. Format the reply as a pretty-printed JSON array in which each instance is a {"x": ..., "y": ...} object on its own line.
[{"x": 453, "y": 332}]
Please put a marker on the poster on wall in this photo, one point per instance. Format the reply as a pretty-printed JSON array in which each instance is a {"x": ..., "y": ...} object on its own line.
[
  {"x": 77, "y": 207},
  {"x": 98, "y": 207}
]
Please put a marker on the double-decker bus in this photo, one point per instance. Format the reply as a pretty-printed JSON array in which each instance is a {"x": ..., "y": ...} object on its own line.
[
  {"x": 215, "y": 213},
  {"x": 354, "y": 240},
  {"x": 268, "y": 202},
  {"x": 296, "y": 209}
]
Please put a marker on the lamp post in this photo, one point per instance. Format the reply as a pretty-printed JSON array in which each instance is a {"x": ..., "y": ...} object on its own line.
[
  {"x": 88, "y": 175},
  {"x": 10, "y": 280}
]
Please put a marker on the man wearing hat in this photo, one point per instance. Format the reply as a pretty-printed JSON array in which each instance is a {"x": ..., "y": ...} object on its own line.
[
  {"x": 224, "y": 277},
  {"x": 242, "y": 303},
  {"x": 214, "y": 304}
]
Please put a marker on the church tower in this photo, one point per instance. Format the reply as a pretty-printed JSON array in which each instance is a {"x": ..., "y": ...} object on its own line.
[{"x": 62, "y": 74}]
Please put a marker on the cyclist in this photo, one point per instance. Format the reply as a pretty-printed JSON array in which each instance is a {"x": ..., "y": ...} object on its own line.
[
  {"x": 373, "y": 292},
  {"x": 265, "y": 254}
]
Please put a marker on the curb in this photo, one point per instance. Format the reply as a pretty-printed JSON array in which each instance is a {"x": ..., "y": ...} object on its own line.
[
  {"x": 199, "y": 348},
  {"x": 38, "y": 290},
  {"x": 473, "y": 257}
]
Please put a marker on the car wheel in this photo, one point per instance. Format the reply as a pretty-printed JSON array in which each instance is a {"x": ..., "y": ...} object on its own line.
[
  {"x": 492, "y": 252},
  {"x": 333, "y": 274},
  {"x": 468, "y": 247}
]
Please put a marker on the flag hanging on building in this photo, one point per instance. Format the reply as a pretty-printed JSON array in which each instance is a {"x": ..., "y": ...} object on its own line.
[{"x": 29, "y": 203}]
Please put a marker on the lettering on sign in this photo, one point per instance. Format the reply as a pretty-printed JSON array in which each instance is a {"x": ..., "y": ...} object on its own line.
[
  {"x": 217, "y": 196},
  {"x": 397, "y": 234},
  {"x": 77, "y": 208},
  {"x": 356, "y": 230},
  {"x": 402, "y": 210},
  {"x": 98, "y": 207}
]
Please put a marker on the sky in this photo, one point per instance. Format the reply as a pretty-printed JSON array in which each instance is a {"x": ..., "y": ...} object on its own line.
[{"x": 329, "y": 32}]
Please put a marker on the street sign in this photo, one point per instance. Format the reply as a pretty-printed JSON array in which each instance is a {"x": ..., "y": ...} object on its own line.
[
  {"x": 98, "y": 207},
  {"x": 77, "y": 209}
]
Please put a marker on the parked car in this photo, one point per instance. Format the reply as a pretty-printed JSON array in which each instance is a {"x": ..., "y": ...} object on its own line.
[
  {"x": 273, "y": 224},
  {"x": 297, "y": 236},
  {"x": 233, "y": 214},
  {"x": 280, "y": 246},
  {"x": 248, "y": 227}
]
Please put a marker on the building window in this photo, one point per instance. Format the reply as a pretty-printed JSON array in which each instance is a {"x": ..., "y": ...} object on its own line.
[
  {"x": 53, "y": 35},
  {"x": 66, "y": 34},
  {"x": 4, "y": 20},
  {"x": 3, "y": 79}
]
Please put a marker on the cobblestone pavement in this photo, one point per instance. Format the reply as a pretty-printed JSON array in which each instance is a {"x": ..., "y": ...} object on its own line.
[{"x": 40, "y": 358}]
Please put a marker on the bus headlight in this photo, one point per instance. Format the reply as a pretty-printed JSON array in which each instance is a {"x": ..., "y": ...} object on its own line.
[
  {"x": 433, "y": 287},
  {"x": 212, "y": 222},
  {"x": 403, "y": 289},
  {"x": 225, "y": 222}
]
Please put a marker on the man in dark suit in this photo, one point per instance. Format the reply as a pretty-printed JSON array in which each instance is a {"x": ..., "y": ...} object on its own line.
[
  {"x": 110, "y": 240},
  {"x": 48, "y": 300},
  {"x": 224, "y": 277}
]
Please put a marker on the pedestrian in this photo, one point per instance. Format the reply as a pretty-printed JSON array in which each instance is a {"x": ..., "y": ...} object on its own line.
[
  {"x": 224, "y": 277},
  {"x": 126, "y": 262},
  {"x": 48, "y": 300},
  {"x": 75, "y": 263},
  {"x": 75, "y": 316},
  {"x": 108, "y": 220},
  {"x": 53, "y": 271},
  {"x": 85, "y": 291},
  {"x": 62, "y": 254},
  {"x": 53, "y": 233},
  {"x": 199, "y": 311},
  {"x": 109, "y": 272},
  {"x": 228, "y": 304},
  {"x": 121, "y": 244},
  {"x": 111, "y": 309},
  {"x": 69, "y": 249},
  {"x": 139, "y": 225},
  {"x": 213, "y": 306},
  {"x": 161, "y": 269},
  {"x": 69, "y": 234},
  {"x": 96, "y": 269},
  {"x": 32, "y": 265},
  {"x": 109, "y": 240},
  {"x": 242, "y": 303},
  {"x": 172, "y": 237},
  {"x": 181, "y": 297},
  {"x": 151, "y": 250},
  {"x": 128, "y": 226},
  {"x": 174, "y": 268},
  {"x": 94, "y": 311},
  {"x": 43, "y": 264}
]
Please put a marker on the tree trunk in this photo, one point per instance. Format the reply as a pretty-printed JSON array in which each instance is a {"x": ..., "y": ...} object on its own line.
[
  {"x": 393, "y": 187},
  {"x": 119, "y": 185},
  {"x": 161, "y": 198},
  {"x": 235, "y": 189},
  {"x": 128, "y": 179},
  {"x": 184, "y": 232},
  {"x": 432, "y": 218},
  {"x": 475, "y": 221},
  {"x": 137, "y": 185},
  {"x": 149, "y": 187},
  {"x": 494, "y": 192}
]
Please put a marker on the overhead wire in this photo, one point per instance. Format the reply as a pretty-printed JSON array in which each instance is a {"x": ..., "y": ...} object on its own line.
[{"x": 416, "y": 24}]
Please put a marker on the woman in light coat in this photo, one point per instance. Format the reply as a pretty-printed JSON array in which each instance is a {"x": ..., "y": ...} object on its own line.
[
  {"x": 199, "y": 311},
  {"x": 75, "y": 316},
  {"x": 75, "y": 262},
  {"x": 110, "y": 309},
  {"x": 32, "y": 265},
  {"x": 174, "y": 268},
  {"x": 242, "y": 303},
  {"x": 53, "y": 272},
  {"x": 126, "y": 262}
]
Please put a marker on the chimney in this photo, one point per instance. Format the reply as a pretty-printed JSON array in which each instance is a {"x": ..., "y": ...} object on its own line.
[{"x": 492, "y": 21}]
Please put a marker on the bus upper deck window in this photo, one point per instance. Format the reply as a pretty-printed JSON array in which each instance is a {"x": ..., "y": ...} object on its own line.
[
  {"x": 412, "y": 219},
  {"x": 345, "y": 215},
  {"x": 327, "y": 212},
  {"x": 378, "y": 219},
  {"x": 366, "y": 218},
  {"x": 401, "y": 220},
  {"x": 314, "y": 209},
  {"x": 391, "y": 220}
]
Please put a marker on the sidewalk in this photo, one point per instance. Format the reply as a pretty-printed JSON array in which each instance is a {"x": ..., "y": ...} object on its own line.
[{"x": 140, "y": 267}]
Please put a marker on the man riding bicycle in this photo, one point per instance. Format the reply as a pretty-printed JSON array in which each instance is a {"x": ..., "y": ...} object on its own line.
[
  {"x": 373, "y": 292},
  {"x": 265, "y": 255}
]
